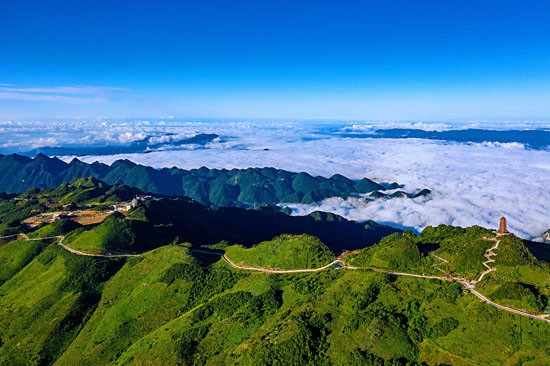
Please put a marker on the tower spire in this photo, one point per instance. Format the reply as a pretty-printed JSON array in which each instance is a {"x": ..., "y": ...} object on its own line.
[{"x": 502, "y": 228}]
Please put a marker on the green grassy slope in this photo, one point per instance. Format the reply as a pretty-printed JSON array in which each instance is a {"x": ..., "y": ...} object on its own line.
[
  {"x": 169, "y": 308},
  {"x": 16, "y": 254},
  {"x": 339, "y": 319},
  {"x": 56, "y": 228},
  {"x": 283, "y": 252},
  {"x": 43, "y": 306},
  {"x": 145, "y": 294},
  {"x": 520, "y": 280},
  {"x": 463, "y": 248},
  {"x": 116, "y": 234},
  {"x": 398, "y": 252}
]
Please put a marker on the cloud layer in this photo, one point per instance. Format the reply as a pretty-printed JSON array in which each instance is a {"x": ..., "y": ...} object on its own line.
[{"x": 471, "y": 183}]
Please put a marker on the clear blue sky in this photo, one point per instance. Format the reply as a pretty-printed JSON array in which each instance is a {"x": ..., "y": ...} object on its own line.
[{"x": 397, "y": 60}]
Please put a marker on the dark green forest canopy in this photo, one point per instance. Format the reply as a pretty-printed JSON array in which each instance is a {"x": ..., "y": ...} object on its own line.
[{"x": 212, "y": 187}]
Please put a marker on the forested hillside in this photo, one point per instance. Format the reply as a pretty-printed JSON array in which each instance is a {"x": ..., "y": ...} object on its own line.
[{"x": 253, "y": 187}]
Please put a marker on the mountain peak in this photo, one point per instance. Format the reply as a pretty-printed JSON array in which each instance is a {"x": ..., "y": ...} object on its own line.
[
  {"x": 18, "y": 158},
  {"x": 41, "y": 156},
  {"x": 341, "y": 178},
  {"x": 75, "y": 161},
  {"x": 124, "y": 163},
  {"x": 87, "y": 182},
  {"x": 366, "y": 185},
  {"x": 51, "y": 165}
]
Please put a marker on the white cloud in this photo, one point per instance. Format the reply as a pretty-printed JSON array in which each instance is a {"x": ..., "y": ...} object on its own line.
[
  {"x": 472, "y": 184},
  {"x": 366, "y": 127},
  {"x": 164, "y": 139},
  {"x": 41, "y": 142},
  {"x": 506, "y": 145},
  {"x": 66, "y": 94},
  {"x": 131, "y": 137}
]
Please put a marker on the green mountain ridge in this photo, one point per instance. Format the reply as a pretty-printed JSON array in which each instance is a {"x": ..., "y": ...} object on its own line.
[
  {"x": 212, "y": 187},
  {"x": 522, "y": 275},
  {"x": 67, "y": 197},
  {"x": 116, "y": 234}
]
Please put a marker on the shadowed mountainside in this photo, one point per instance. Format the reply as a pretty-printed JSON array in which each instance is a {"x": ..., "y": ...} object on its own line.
[
  {"x": 160, "y": 221},
  {"x": 200, "y": 225}
]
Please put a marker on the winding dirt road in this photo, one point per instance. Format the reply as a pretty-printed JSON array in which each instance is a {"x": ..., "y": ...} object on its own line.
[
  {"x": 74, "y": 251},
  {"x": 337, "y": 261}
]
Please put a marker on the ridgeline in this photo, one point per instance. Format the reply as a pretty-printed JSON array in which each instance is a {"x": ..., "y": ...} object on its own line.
[{"x": 253, "y": 187}]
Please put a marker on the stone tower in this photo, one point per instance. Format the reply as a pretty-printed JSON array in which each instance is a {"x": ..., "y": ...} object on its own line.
[{"x": 502, "y": 227}]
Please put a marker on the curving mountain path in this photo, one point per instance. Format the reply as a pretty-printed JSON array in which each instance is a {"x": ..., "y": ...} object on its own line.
[
  {"x": 74, "y": 251},
  {"x": 337, "y": 261},
  {"x": 488, "y": 254},
  {"x": 268, "y": 270}
]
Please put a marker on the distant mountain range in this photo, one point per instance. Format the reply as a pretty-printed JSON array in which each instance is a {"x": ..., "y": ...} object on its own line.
[
  {"x": 148, "y": 144},
  {"x": 252, "y": 187},
  {"x": 534, "y": 139}
]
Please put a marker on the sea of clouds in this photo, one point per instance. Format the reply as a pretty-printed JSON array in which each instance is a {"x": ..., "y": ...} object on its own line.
[{"x": 471, "y": 184}]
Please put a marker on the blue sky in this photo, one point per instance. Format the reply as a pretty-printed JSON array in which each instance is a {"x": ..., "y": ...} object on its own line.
[{"x": 383, "y": 60}]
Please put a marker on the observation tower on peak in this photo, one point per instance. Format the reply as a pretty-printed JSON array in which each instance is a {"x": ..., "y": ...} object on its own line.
[{"x": 502, "y": 227}]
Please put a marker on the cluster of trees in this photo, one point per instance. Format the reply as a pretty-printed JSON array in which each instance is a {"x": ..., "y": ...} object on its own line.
[{"x": 522, "y": 294}]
